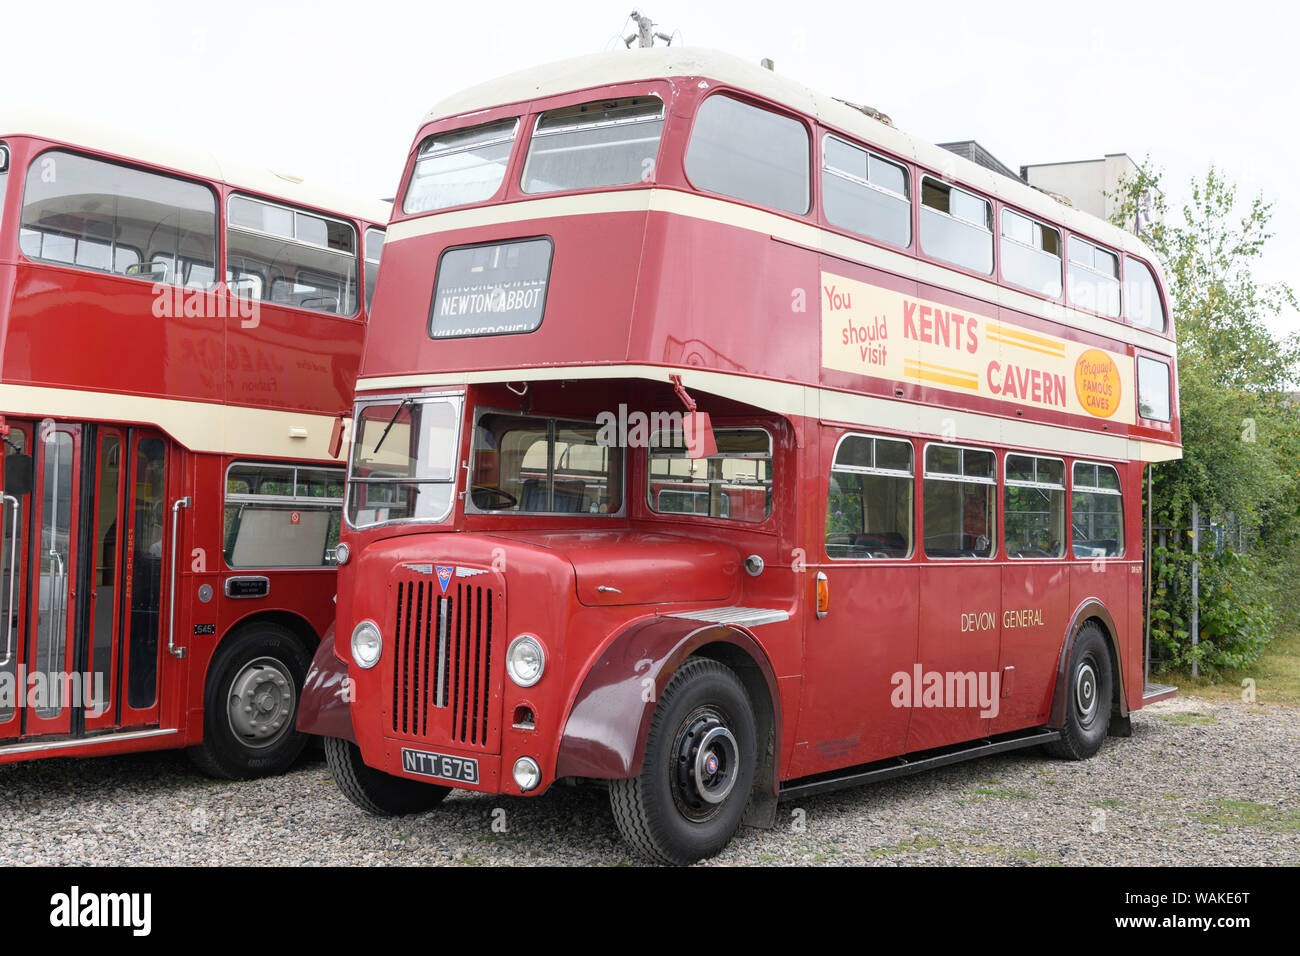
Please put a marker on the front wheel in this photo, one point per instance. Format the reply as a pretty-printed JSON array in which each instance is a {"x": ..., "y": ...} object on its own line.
[
  {"x": 251, "y": 703},
  {"x": 697, "y": 771},
  {"x": 1089, "y": 690},
  {"x": 378, "y": 793}
]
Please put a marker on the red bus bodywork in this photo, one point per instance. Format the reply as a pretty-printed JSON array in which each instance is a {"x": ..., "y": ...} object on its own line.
[
  {"x": 100, "y": 363},
  {"x": 656, "y": 279}
]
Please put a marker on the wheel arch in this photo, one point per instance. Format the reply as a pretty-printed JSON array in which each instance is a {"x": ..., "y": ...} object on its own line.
[
  {"x": 606, "y": 729},
  {"x": 1089, "y": 610}
]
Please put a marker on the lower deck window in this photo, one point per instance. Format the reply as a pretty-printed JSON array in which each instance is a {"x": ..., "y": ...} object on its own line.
[
  {"x": 869, "y": 499},
  {"x": 1097, "y": 511},
  {"x": 282, "y": 516},
  {"x": 736, "y": 483},
  {"x": 960, "y": 494},
  {"x": 1034, "y": 507}
]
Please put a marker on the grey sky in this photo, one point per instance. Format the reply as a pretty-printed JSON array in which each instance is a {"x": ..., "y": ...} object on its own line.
[{"x": 333, "y": 91}]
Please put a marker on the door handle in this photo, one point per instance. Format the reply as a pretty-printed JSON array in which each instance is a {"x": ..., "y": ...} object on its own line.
[{"x": 171, "y": 601}]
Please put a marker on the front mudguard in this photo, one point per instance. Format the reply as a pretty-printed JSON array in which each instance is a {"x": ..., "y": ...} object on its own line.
[
  {"x": 325, "y": 708},
  {"x": 606, "y": 731}
]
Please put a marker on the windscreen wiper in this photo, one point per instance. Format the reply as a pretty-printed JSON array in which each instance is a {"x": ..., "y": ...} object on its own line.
[{"x": 391, "y": 422}]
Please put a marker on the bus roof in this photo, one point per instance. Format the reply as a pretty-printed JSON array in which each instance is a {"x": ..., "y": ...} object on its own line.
[
  {"x": 88, "y": 134},
  {"x": 621, "y": 66}
]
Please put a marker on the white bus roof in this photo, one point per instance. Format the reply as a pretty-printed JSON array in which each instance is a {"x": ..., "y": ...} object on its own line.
[
  {"x": 89, "y": 134},
  {"x": 620, "y": 66}
]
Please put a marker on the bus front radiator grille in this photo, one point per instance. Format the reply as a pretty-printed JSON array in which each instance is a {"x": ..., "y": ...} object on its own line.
[{"x": 443, "y": 660}]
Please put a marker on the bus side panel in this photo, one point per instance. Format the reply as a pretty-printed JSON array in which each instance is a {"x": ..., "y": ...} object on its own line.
[{"x": 1036, "y": 613}]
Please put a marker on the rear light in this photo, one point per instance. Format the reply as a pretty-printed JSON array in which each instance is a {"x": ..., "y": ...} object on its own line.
[{"x": 823, "y": 594}]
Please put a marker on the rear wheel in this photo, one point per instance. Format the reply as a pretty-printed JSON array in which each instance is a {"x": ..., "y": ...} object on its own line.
[
  {"x": 698, "y": 768},
  {"x": 251, "y": 703},
  {"x": 1089, "y": 690},
  {"x": 374, "y": 791}
]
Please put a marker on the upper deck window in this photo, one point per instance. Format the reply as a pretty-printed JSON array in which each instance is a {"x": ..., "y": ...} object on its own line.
[
  {"x": 1094, "y": 277},
  {"x": 290, "y": 257},
  {"x": 460, "y": 166},
  {"x": 735, "y": 483},
  {"x": 103, "y": 216},
  {"x": 956, "y": 226},
  {"x": 1031, "y": 254},
  {"x": 865, "y": 193},
  {"x": 1142, "y": 296},
  {"x": 750, "y": 153},
  {"x": 373, "y": 248},
  {"x": 1154, "y": 400},
  {"x": 606, "y": 143}
]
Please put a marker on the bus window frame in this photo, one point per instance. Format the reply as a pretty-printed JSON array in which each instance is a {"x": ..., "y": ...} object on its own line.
[
  {"x": 765, "y": 525},
  {"x": 356, "y": 226},
  {"x": 218, "y": 221},
  {"x": 534, "y": 119},
  {"x": 909, "y": 173},
  {"x": 994, "y": 275},
  {"x": 912, "y": 550},
  {"x": 1063, "y": 487},
  {"x": 248, "y": 498},
  {"x": 814, "y": 212},
  {"x": 1062, "y": 238},
  {"x": 1091, "y": 489},
  {"x": 1069, "y": 301},
  {"x": 1164, "y": 330},
  {"x": 470, "y": 510},
  {"x": 995, "y": 483}
]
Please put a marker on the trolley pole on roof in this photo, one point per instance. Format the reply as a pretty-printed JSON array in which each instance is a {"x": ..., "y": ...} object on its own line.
[{"x": 646, "y": 34}]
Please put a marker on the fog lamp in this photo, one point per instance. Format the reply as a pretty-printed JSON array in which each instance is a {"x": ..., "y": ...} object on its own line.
[{"x": 527, "y": 774}]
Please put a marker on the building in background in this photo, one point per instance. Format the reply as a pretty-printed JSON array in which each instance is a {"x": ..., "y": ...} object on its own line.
[{"x": 1089, "y": 184}]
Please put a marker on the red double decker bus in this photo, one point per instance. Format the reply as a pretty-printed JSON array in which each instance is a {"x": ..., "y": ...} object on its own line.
[
  {"x": 909, "y": 531},
  {"x": 180, "y": 338}
]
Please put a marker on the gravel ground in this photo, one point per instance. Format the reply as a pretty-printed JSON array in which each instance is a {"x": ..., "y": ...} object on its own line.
[{"x": 1200, "y": 782}]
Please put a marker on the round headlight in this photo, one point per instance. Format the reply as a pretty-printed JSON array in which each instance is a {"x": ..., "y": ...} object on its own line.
[
  {"x": 367, "y": 643},
  {"x": 525, "y": 660},
  {"x": 527, "y": 774},
  {"x": 341, "y": 553}
]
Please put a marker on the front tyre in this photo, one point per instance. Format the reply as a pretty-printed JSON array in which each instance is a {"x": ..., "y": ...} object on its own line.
[
  {"x": 378, "y": 793},
  {"x": 250, "y": 705},
  {"x": 697, "y": 771},
  {"x": 1089, "y": 690}
]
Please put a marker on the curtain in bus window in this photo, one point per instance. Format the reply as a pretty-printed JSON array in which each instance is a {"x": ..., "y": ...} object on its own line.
[
  {"x": 605, "y": 143},
  {"x": 112, "y": 218},
  {"x": 460, "y": 167},
  {"x": 290, "y": 257},
  {"x": 149, "y": 507},
  {"x": 749, "y": 153}
]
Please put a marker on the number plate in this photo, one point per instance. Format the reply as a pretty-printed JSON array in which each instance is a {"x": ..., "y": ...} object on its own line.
[{"x": 442, "y": 766}]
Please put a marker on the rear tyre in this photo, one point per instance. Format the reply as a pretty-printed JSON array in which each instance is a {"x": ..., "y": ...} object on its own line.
[
  {"x": 1089, "y": 690},
  {"x": 374, "y": 791},
  {"x": 697, "y": 771},
  {"x": 250, "y": 705}
]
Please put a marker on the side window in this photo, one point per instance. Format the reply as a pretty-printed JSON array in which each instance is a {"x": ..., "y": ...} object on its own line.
[
  {"x": 607, "y": 143},
  {"x": 107, "y": 217},
  {"x": 374, "y": 247},
  {"x": 1153, "y": 389},
  {"x": 750, "y": 153},
  {"x": 1094, "y": 277},
  {"x": 1142, "y": 296},
  {"x": 522, "y": 464},
  {"x": 735, "y": 483},
  {"x": 1034, "y": 507},
  {"x": 960, "y": 498},
  {"x": 956, "y": 226},
  {"x": 282, "y": 516},
  {"x": 865, "y": 193},
  {"x": 460, "y": 167},
  {"x": 290, "y": 257},
  {"x": 1031, "y": 254},
  {"x": 869, "y": 500},
  {"x": 1097, "y": 512}
]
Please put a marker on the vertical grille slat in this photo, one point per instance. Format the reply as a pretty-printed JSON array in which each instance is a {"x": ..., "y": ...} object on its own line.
[{"x": 442, "y": 661}]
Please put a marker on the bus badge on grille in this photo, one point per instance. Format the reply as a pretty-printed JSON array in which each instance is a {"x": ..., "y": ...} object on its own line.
[
  {"x": 444, "y": 577},
  {"x": 419, "y": 568},
  {"x": 469, "y": 572}
]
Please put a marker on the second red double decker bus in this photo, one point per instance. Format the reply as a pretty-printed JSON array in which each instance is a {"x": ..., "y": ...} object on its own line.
[
  {"x": 179, "y": 339},
  {"x": 720, "y": 444}
]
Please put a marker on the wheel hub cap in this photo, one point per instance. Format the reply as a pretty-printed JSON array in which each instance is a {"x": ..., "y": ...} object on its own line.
[
  {"x": 1085, "y": 692},
  {"x": 706, "y": 764},
  {"x": 261, "y": 703}
]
